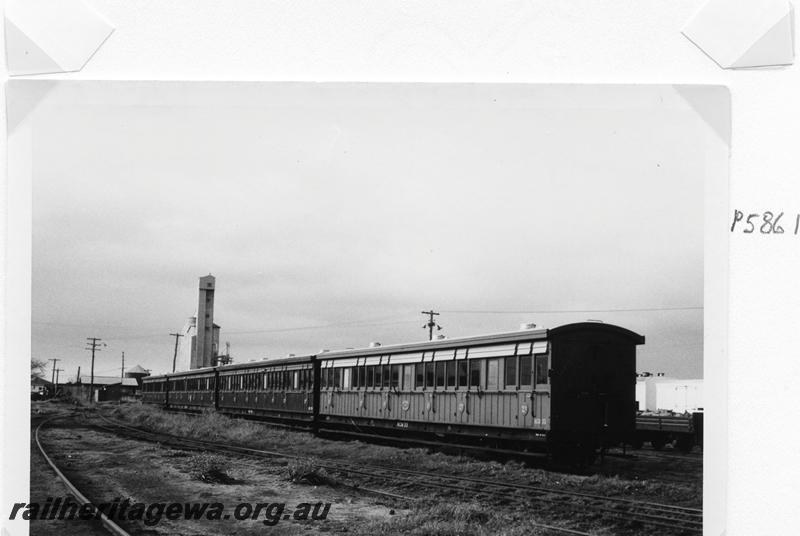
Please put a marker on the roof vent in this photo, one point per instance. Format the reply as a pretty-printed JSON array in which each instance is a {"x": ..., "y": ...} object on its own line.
[
  {"x": 324, "y": 350},
  {"x": 374, "y": 345},
  {"x": 289, "y": 355},
  {"x": 527, "y": 325},
  {"x": 440, "y": 337}
]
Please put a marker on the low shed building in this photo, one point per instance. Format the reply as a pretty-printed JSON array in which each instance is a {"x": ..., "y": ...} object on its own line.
[{"x": 106, "y": 388}]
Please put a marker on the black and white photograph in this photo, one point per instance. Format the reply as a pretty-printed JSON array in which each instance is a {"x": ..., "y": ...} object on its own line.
[{"x": 369, "y": 308}]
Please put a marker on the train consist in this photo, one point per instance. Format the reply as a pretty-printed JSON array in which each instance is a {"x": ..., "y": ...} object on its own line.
[{"x": 569, "y": 391}]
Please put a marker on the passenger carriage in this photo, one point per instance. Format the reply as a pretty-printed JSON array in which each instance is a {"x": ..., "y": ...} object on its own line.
[
  {"x": 279, "y": 389},
  {"x": 192, "y": 390},
  {"x": 566, "y": 388},
  {"x": 154, "y": 390}
]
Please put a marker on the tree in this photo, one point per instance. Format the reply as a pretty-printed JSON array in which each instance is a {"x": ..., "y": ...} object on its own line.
[{"x": 37, "y": 366}]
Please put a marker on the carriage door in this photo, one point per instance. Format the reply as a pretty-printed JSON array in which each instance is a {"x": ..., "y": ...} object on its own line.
[{"x": 541, "y": 390}]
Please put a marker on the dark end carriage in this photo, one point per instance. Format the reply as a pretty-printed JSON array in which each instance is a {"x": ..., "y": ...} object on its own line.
[{"x": 593, "y": 384}]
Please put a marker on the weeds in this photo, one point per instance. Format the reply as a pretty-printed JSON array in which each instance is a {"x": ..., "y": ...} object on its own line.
[
  {"x": 307, "y": 471},
  {"x": 211, "y": 468},
  {"x": 216, "y": 427}
]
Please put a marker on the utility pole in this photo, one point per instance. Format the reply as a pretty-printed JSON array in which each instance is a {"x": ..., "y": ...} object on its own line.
[
  {"x": 78, "y": 377},
  {"x": 175, "y": 355},
  {"x": 94, "y": 346},
  {"x": 122, "y": 374},
  {"x": 56, "y": 386},
  {"x": 431, "y": 323},
  {"x": 53, "y": 376}
]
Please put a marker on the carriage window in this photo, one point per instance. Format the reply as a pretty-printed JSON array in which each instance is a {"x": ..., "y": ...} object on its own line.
[
  {"x": 362, "y": 377},
  {"x": 408, "y": 377},
  {"x": 462, "y": 370},
  {"x": 378, "y": 375},
  {"x": 429, "y": 374},
  {"x": 475, "y": 373},
  {"x": 450, "y": 373},
  {"x": 492, "y": 373},
  {"x": 386, "y": 375},
  {"x": 440, "y": 373},
  {"x": 525, "y": 370},
  {"x": 347, "y": 378},
  {"x": 419, "y": 372},
  {"x": 511, "y": 372},
  {"x": 541, "y": 369},
  {"x": 296, "y": 380},
  {"x": 370, "y": 376},
  {"x": 395, "y": 381},
  {"x": 337, "y": 378}
]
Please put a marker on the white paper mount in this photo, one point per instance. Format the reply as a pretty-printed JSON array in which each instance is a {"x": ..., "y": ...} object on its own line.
[
  {"x": 52, "y": 36},
  {"x": 744, "y": 33}
]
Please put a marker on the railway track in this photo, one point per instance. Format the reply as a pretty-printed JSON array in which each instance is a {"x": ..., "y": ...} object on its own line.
[
  {"x": 107, "y": 523},
  {"x": 683, "y": 519}
]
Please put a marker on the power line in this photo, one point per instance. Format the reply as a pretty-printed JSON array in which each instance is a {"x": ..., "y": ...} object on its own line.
[
  {"x": 544, "y": 311},
  {"x": 304, "y": 328}
]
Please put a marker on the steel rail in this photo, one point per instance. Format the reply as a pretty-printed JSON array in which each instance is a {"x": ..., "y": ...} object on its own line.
[
  {"x": 260, "y": 454},
  {"x": 108, "y": 524},
  {"x": 658, "y": 514}
]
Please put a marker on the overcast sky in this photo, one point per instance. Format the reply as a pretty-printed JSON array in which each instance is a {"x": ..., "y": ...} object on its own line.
[{"x": 332, "y": 215}]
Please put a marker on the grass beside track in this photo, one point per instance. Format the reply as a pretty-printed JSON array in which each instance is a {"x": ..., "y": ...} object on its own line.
[{"x": 216, "y": 427}]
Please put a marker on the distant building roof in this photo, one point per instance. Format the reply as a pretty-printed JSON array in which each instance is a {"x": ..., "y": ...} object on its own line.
[
  {"x": 38, "y": 380},
  {"x": 137, "y": 370},
  {"x": 110, "y": 380}
]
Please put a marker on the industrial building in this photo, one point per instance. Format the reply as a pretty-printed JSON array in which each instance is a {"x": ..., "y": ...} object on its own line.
[
  {"x": 198, "y": 344},
  {"x": 657, "y": 392}
]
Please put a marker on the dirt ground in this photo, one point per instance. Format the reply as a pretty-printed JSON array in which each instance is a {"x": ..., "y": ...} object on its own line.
[{"x": 111, "y": 468}]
